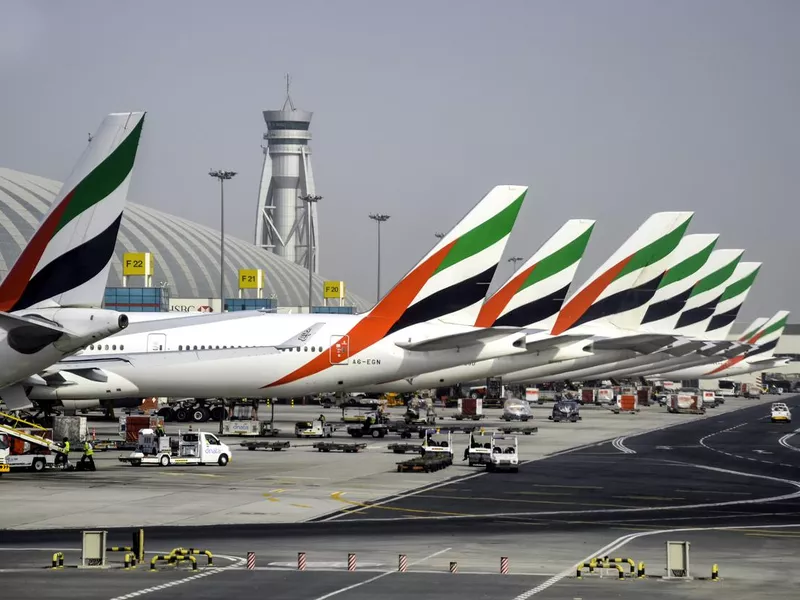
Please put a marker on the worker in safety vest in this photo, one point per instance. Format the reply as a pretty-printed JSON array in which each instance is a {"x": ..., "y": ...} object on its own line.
[
  {"x": 62, "y": 457},
  {"x": 87, "y": 457}
]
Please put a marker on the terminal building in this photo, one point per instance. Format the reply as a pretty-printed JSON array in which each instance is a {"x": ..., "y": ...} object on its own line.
[{"x": 184, "y": 259}]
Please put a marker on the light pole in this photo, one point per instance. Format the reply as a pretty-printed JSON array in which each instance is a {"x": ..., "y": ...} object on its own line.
[
  {"x": 379, "y": 218},
  {"x": 308, "y": 199},
  {"x": 515, "y": 260},
  {"x": 222, "y": 176}
]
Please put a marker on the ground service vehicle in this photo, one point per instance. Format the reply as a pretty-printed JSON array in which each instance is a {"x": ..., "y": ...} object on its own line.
[
  {"x": 193, "y": 448},
  {"x": 436, "y": 443},
  {"x": 780, "y": 413},
  {"x": 479, "y": 451},
  {"x": 504, "y": 454},
  {"x": 313, "y": 429},
  {"x": 566, "y": 410},
  {"x": 4, "y": 468},
  {"x": 515, "y": 409}
]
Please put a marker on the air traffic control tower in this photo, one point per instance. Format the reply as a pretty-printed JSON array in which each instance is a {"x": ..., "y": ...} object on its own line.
[{"x": 282, "y": 224}]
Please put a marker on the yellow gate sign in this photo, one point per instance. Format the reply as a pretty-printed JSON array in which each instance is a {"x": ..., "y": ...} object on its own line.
[
  {"x": 251, "y": 279},
  {"x": 137, "y": 263},
  {"x": 333, "y": 289}
]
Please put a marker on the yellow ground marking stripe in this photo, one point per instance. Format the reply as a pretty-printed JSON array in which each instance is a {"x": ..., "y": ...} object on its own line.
[
  {"x": 338, "y": 496},
  {"x": 525, "y": 501},
  {"x": 301, "y": 505}
]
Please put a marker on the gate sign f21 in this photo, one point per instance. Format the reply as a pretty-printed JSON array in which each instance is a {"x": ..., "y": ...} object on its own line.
[
  {"x": 137, "y": 263},
  {"x": 251, "y": 279},
  {"x": 333, "y": 289}
]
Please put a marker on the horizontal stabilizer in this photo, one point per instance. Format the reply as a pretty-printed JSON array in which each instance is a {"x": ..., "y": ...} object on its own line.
[
  {"x": 552, "y": 342},
  {"x": 36, "y": 325},
  {"x": 299, "y": 340},
  {"x": 15, "y": 397},
  {"x": 460, "y": 340},
  {"x": 644, "y": 343}
]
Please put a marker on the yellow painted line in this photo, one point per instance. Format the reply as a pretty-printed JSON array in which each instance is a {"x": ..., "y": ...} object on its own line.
[
  {"x": 172, "y": 473},
  {"x": 271, "y": 498},
  {"x": 338, "y": 497},
  {"x": 207, "y": 475},
  {"x": 276, "y": 491},
  {"x": 773, "y": 536},
  {"x": 562, "y": 502},
  {"x": 770, "y": 532},
  {"x": 301, "y": 505},
  {"x": 645, "y": 498}
]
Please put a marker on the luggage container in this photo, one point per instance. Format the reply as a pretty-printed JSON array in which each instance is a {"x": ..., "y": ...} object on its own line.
[
  {"x": 686, "y": 402},
  {"x": 469, "y": 408}
]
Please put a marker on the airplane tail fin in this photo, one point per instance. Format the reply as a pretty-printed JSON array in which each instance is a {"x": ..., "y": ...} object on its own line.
[
  {"x": 768, "y": 336},
  {"x": 450, "y": 283},
  {"x": 689, "y": 257},
  {"x": 534, "y": 294},
  {"x": 67, "y": 260},
  {"x": 712, "y": 280},
  {"x": 618, "y": 292},
  {"x": 753, "y": 329},
  {"x": 731, "y": 301}
]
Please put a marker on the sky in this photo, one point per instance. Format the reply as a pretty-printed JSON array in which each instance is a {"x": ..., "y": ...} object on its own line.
[{"x": 608, "y": 110}]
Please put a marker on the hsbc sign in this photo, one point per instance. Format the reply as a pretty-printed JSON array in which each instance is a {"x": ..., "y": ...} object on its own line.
[{"x": 194, "y": 305}]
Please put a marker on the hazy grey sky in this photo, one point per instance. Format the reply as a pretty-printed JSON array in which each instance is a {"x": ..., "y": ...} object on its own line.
[{"x": 607, "y": 109}]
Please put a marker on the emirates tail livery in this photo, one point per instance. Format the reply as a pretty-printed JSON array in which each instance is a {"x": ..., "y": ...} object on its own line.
[
  {"x": 49, "y": 301},
  {"x": 530, "y": 299},
  {"x": 426, "y": 322}
]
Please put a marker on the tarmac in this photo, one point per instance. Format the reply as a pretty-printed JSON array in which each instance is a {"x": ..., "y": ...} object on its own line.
[{"x": 728, "y": 483}]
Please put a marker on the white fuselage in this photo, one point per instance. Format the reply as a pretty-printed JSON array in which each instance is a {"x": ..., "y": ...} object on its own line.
[
  {"x": 237, "y": 357},
  {"x": 740, "y": 368}
]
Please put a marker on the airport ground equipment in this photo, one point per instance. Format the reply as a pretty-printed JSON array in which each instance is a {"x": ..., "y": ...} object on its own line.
[
  {"x": 360, "y": 414},
  {"x": 426, "y": 463},
  {"x": 317, "y": 428},
  {"x": 566, "y": 410},
  {"x": 626, "y": 402},
  {"x": 479, "y": 451},
  {"x": 249, "y": 428},
  {"x": 27, "y": 445},
  {"x": 340, "y": 446},
  {"x": 780, "y": 413},
  {"x": 420, "y": 411},
  {"x": 504, "y": 454},
  {"x": 438, "y": 443},
  {"x": 686, "y": 401},
  {"x": 508, "y": 429},
  {"x": 276, "y": 446},
  {"x": 402, "y": 448},
  {"x": 515, "y": 409},
  {"x": 469, "y": 408},
  {"x": 376, "y": 430},
  {"x": 193, "y": 448}
]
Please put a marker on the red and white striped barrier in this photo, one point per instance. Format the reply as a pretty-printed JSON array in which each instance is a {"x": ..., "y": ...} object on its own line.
[
  {"x": 454, "y": 567},
  {"x": 504, "y": 565},
  {"x": 351, "y": 562},
  {"x": 402, "y": 564},
  {"x": 301, "y": 561},
  {"x": 251, "y": 560}
]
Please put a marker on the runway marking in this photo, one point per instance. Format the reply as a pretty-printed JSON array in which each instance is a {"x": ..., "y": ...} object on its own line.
[
  {"x": 302, "y": 505},
  {"x": 715, "y": 492},
  {"x": 362, "y": 505},
  {"x": 520, "y": 500},
  {"x": 382, "y": 575},
  {"x": 622, "y": 541},
  {"x": 784, "y": 441},
  {"x": 570, "y": 487},
  {"x": 619, "y": 444},
  {"x": 645, "y": 498}
]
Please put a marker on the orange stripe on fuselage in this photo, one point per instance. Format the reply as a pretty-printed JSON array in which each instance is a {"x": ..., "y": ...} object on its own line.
[
  {"x": 727, "y": 364},
  {"x": 576, "y": 308},
  {"x": 373, "y": 326},
  {"x": 492, "y": 308},
  {"x": 17, "y": 279}
]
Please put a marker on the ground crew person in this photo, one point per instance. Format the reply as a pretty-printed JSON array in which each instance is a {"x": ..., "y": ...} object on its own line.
[
  {"x": 322, "y": 419},
  {"x": 62, "y": 457},
  {"x": 88, "y": 452}
]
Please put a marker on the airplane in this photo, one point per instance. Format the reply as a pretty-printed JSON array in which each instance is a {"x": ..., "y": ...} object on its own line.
[
  {"x": 50, "y": 300},
  {"x": 757, "y": 358},
  {"x": 426, "y": 322}
]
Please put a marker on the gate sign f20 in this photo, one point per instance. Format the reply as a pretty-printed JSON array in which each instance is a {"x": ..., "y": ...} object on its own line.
[
  {"x": 251, "y": 279},
  {"x": 333, "y": 289},
  {"x": 137, "y": 263}
]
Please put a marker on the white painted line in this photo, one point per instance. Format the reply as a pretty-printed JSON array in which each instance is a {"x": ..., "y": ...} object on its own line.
[
  {"x": 622, "y": 541},
  {"x": 382, "y": 575},
  {"x": 619, "y": 444},
  {"x": 784, "y": 441}
]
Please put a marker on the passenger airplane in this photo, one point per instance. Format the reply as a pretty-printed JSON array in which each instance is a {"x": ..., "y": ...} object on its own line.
[
  {"x": 426, "y": 322},
  {"x": 49, "y": 301}
]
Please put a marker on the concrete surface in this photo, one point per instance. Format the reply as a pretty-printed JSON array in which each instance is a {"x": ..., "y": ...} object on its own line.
[{"x": 294, "y": 485}]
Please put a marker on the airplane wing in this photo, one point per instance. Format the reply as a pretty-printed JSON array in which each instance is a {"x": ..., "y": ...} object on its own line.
[
  {"x": 643, "y": 343},
  {"x": 537, "y": 345},
  {"x": 297, "y": 341},
  {"x": 460, "y": 340},
  {"x": 33, "y": 325}
]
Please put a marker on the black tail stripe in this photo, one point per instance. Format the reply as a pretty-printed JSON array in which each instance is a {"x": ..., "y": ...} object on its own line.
[
  {"x": 667, "y": 308},
  {"x": 724, "y": 319},
  {"x": 621, "y": 302},
  {"x": 535, "y": 311},
  {"x": 72, "y": 269},
  {"x": 762, "y": 349},
  {"x": 449, "y": 300},
  {"x": 695, "y": 315}
]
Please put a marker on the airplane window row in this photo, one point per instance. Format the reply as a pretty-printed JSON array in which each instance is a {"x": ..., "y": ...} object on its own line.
[
  {"x": 304, "y": 349},
  {"x": 101, "y": 347}
]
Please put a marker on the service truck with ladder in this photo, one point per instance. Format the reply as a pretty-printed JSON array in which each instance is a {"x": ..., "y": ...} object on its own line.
[{"x": 39, "y": 451}]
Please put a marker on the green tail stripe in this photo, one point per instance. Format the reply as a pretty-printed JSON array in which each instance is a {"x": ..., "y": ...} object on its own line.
[
  {"x": 687, "y": 267},
  {"x": 739, "y": 287},
  {"x": 484, "y": 235},
  {"x": 715, "y": 279},
  {"x": 777, "y": 326},
  {"x": 655, "y": 251},
  {"x": 104, "y": 179},
  {"x": 559, "y": 260},
  {"x": 750, "y": 333}
]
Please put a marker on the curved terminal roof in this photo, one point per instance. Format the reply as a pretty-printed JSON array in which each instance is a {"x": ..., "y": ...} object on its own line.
[{"x": 186, "y": 254}]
